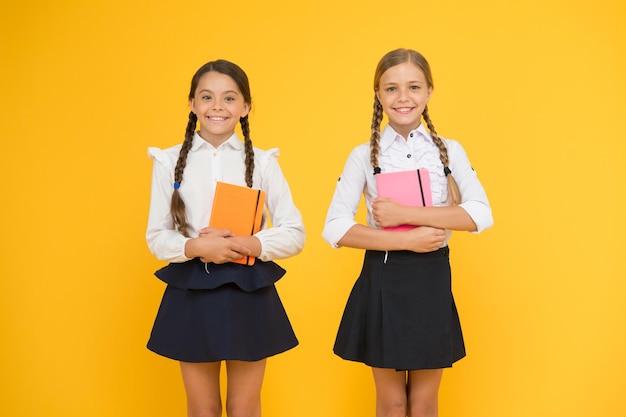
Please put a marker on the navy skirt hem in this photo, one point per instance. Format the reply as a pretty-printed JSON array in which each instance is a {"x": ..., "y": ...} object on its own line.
[
  {"x": 412, "y": 367},
  {"x": 222, "y": 323}
]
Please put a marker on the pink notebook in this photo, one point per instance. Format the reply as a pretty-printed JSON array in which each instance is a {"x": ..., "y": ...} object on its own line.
[{"x": 409, "y": 188}]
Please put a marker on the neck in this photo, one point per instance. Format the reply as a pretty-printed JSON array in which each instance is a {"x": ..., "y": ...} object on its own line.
[{"x": 215, "y": 140}]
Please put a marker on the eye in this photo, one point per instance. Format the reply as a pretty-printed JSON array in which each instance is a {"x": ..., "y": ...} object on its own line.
[
  {"x": 390, "y": 89},
  {"x": 415, "y": 87},
  {"x": 230, "y": 98},
  {"x": 205, "y": 97}
]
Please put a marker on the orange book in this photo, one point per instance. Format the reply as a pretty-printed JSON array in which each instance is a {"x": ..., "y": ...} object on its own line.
[{"x": 238, "y": 209}]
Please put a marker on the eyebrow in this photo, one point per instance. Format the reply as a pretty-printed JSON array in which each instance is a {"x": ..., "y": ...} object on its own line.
[
  {"x": 206, "y": 90},
  {"x": 408, "y": 82}
]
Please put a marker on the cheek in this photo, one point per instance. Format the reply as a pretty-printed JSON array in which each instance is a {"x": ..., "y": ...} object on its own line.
[{"x": 386, "y": 102}]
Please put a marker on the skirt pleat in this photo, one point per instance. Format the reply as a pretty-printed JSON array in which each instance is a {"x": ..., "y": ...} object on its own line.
[{"x": 401, "y": 313}]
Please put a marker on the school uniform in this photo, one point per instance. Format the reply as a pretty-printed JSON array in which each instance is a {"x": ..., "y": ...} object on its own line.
[
  {"x": 212, "y": 312},
  {"x": 401, "y": 312}
]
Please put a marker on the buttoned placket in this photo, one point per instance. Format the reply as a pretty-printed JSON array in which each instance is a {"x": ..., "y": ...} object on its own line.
[
  {"x": 409, "y": 161},
  {"x": 412, "y": 144},
  {"x": 216, "y": 173},
  {"x": 216, "y": 164}
]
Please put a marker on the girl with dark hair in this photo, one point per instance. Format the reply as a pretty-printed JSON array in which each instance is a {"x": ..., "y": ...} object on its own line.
[
  {"x": 401, "y": 318},
  {"x": 213, "y": 309}
]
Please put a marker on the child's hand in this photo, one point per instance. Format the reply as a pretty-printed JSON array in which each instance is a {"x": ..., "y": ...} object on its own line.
[
  {"x": 212, "y": 231},
  {"x": 214, "y": 246},
  {"x": 424, "y": 238},
  {"x": 387, "y": 212}
]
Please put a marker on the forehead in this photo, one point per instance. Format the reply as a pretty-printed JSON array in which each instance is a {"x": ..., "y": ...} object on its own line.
[
  {"x": 217, "y": 82},
  {"x": 401, "y": 73}
]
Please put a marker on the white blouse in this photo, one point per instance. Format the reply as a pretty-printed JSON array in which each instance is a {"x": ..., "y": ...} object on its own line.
[
  {"x": 398, "y": 154},
  {"x": 205, "y": 166}
]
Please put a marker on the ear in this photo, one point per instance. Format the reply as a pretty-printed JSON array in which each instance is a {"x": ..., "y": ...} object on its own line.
[
  {"x": 377, "y": 95},
  {"x": 246, "y": 110},
  {"x": 430, "y": 91},
  {"x": 192, "y": 105}
]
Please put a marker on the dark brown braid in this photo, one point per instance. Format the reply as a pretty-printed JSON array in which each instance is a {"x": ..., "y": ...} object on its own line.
[
  {"x": 453, "y": 188},
  {"x": 177, "y": 206},
  {"x": 245, "y": 129},
  {"x": 377, "y": 117}
]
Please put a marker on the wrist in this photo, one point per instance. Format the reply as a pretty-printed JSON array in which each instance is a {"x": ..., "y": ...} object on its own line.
[
  {"x": 190, "y": 248},
  {"x": 415, "y": 216},
  {"x": 405, "y": 242}
]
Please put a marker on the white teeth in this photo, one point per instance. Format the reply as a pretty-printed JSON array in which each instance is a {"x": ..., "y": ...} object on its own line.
[{"x": 217, "y": 119}]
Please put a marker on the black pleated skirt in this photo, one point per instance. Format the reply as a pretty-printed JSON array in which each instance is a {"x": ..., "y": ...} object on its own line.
[
  {"x": 215, "y": 312},
  {"x": 401, "y": 313}
]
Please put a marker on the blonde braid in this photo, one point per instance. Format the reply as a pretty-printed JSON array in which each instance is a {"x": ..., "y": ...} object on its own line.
[
  {"x": 377, "y": 117},
  {"x": 454, "y": 193}
]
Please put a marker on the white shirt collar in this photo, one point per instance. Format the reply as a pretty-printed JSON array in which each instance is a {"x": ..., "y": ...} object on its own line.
[
  {"x": 232, "y": 141},
  {"x": 389, "y": 135}
]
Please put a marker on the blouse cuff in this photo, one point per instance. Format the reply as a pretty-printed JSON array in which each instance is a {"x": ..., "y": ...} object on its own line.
[
  {"x": 336, "y": 229},
  {"x": 480, "y": 214}
]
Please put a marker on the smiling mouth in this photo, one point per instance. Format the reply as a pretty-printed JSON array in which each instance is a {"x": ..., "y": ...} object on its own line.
[
  {"x": 403, "y": 110},
  {"x": 216, "y": 118}
]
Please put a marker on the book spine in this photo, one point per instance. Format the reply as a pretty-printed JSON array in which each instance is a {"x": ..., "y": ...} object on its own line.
[
  {"x": 419, "y": 179},
  {"x": 258, "y": 197}
]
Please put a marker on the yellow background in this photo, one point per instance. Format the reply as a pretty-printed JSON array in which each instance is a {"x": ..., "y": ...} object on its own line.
[{"x": 534, "y": 90}]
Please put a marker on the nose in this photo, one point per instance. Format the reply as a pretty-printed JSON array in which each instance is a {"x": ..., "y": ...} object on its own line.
[{"x": 404, "y": 94}]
